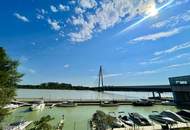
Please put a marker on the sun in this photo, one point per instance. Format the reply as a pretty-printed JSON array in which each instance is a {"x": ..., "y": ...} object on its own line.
[{"x": 152, "y": 10}]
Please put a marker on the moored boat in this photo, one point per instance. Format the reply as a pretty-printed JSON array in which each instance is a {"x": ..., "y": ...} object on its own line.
[
  {"x": 143, "y": 103},
  {"x": 109, "y": 103},
  {"x": 184, "y": 114},
  {"x": 173, "y": 115},
  {"x": 139, "y": 119},
  {"x": 11, "y": 106},
  {"x": 38, "y": 106},
  {"x": 20, "y": 125},
  {"x": 162, "y": 119},
  {"x": 67, "y": 104},
  {"x": 125, "y": 119}
]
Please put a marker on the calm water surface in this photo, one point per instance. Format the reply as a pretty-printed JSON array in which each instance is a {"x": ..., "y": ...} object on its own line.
[{"x": 77, "y": 94}]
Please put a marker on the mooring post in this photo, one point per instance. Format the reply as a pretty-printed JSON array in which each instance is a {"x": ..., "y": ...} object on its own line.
[
  {"x": 153, "y": 94},
  {"x": 159, "y": 95}
]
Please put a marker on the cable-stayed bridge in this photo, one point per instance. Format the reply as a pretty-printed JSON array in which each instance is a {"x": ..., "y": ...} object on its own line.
[{"x": 138, "y": 88}]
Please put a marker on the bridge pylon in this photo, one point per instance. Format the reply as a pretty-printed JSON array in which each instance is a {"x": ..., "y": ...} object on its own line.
[{"x": 100, "y": 79}]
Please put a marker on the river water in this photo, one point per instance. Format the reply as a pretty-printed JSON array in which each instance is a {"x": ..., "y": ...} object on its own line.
[
  {"x": 79, "y": 115},
  {"x": 77, "y": 94}
]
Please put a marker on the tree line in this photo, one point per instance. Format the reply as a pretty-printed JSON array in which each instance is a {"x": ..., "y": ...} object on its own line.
[{"x": 54, "y": 85}]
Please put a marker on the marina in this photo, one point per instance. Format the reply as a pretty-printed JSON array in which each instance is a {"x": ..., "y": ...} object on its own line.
[
  {"x": 95, "y": 65},
  {"x": 80, "y": 115}
]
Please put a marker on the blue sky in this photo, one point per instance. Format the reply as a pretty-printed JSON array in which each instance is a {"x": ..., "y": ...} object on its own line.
[{"x": 137, "y": 42}]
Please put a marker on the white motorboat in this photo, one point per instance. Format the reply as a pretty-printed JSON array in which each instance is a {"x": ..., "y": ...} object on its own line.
[
  {"x": 11, "y": 106},
  {"x": 39, "y": 106},
  {"x": 125, "y": 119},
  {"x": 67, "y": 104},
  {"x": 173, "y": 115},
  {"x": 162, "y": 119},
  {"x": 20, "y": 125}
]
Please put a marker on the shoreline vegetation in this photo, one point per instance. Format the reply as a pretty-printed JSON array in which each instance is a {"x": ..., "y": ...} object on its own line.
[{"x": 54, "y": 85}]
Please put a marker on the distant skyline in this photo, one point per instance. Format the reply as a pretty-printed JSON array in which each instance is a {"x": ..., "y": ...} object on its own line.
[{"x": 137, "y": 42}]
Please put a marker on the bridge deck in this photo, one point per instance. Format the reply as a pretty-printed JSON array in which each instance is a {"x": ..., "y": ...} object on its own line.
[{"x": 143, "y": 88}]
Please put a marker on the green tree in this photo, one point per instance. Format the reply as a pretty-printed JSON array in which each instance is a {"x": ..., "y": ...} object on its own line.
[
  {"x": 43, "y": 124},
  {"x": 9, "y": 77}
]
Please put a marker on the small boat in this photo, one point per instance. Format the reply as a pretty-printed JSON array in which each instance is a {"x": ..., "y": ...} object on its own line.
[
  {"x": 109, "y": 103},
  {"x": 67, "y": 104},
  {"x": 20, "y": 125},
  {"x": 169, "y": 103},
  {"x": 142, "y": 103},
  {"x": 173, "y": 115},
  {"x": 125, "y": 119},
  {"x": 139, "y": 119},
  {"x": 184, "y": 114},
  {"x": 39, "y": 106},
  {"x": 53, "y": 105},
  {"x": 11, "y": 106},
  {"x": 117, "y": 123},
  {"x": 162, "y": 119}
]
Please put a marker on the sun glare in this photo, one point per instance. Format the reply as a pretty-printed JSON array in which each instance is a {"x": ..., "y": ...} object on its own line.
[{"x": 152, "y": 11}]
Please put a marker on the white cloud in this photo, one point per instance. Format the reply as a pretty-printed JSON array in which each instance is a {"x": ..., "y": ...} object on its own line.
[
  {"x": 173, "y": 49},
  {"x": 88, "y": 3},
  {"x": 63, "y": 7},
  {"x": 21, "y": 17},
  {"x": 54, "y": 24},
  {"x": 165, "y": 60},
  {"x": 178, "y": 65},
  {"x": 173, "y": 21},
  {"x": 159, "y": 70},
  {"x": 53, "y": 9},
  {"x": 39, "y": 16},
  {"x": 147, "y": 72},
  {"x": 85, "y": 33},
  {"x": 72, "y": 1},
  {"x": 112, "y": 75},
  {"x": 152, "y": 62},
  {"x": 66, "y": 66},
  {"x": 160, "y": 24},
  {"x": 79, "y": 10},
  {"x": 106, "y": 15},
  {"x": 180, "y": 2},
  {"x": 156, "y": 36}
]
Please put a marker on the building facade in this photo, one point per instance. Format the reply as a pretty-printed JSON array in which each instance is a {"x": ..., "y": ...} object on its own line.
[{"x": 181, "y": 89}]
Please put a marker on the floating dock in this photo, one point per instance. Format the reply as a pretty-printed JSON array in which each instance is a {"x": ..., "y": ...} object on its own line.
[{"x": 81, "y": 102}]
